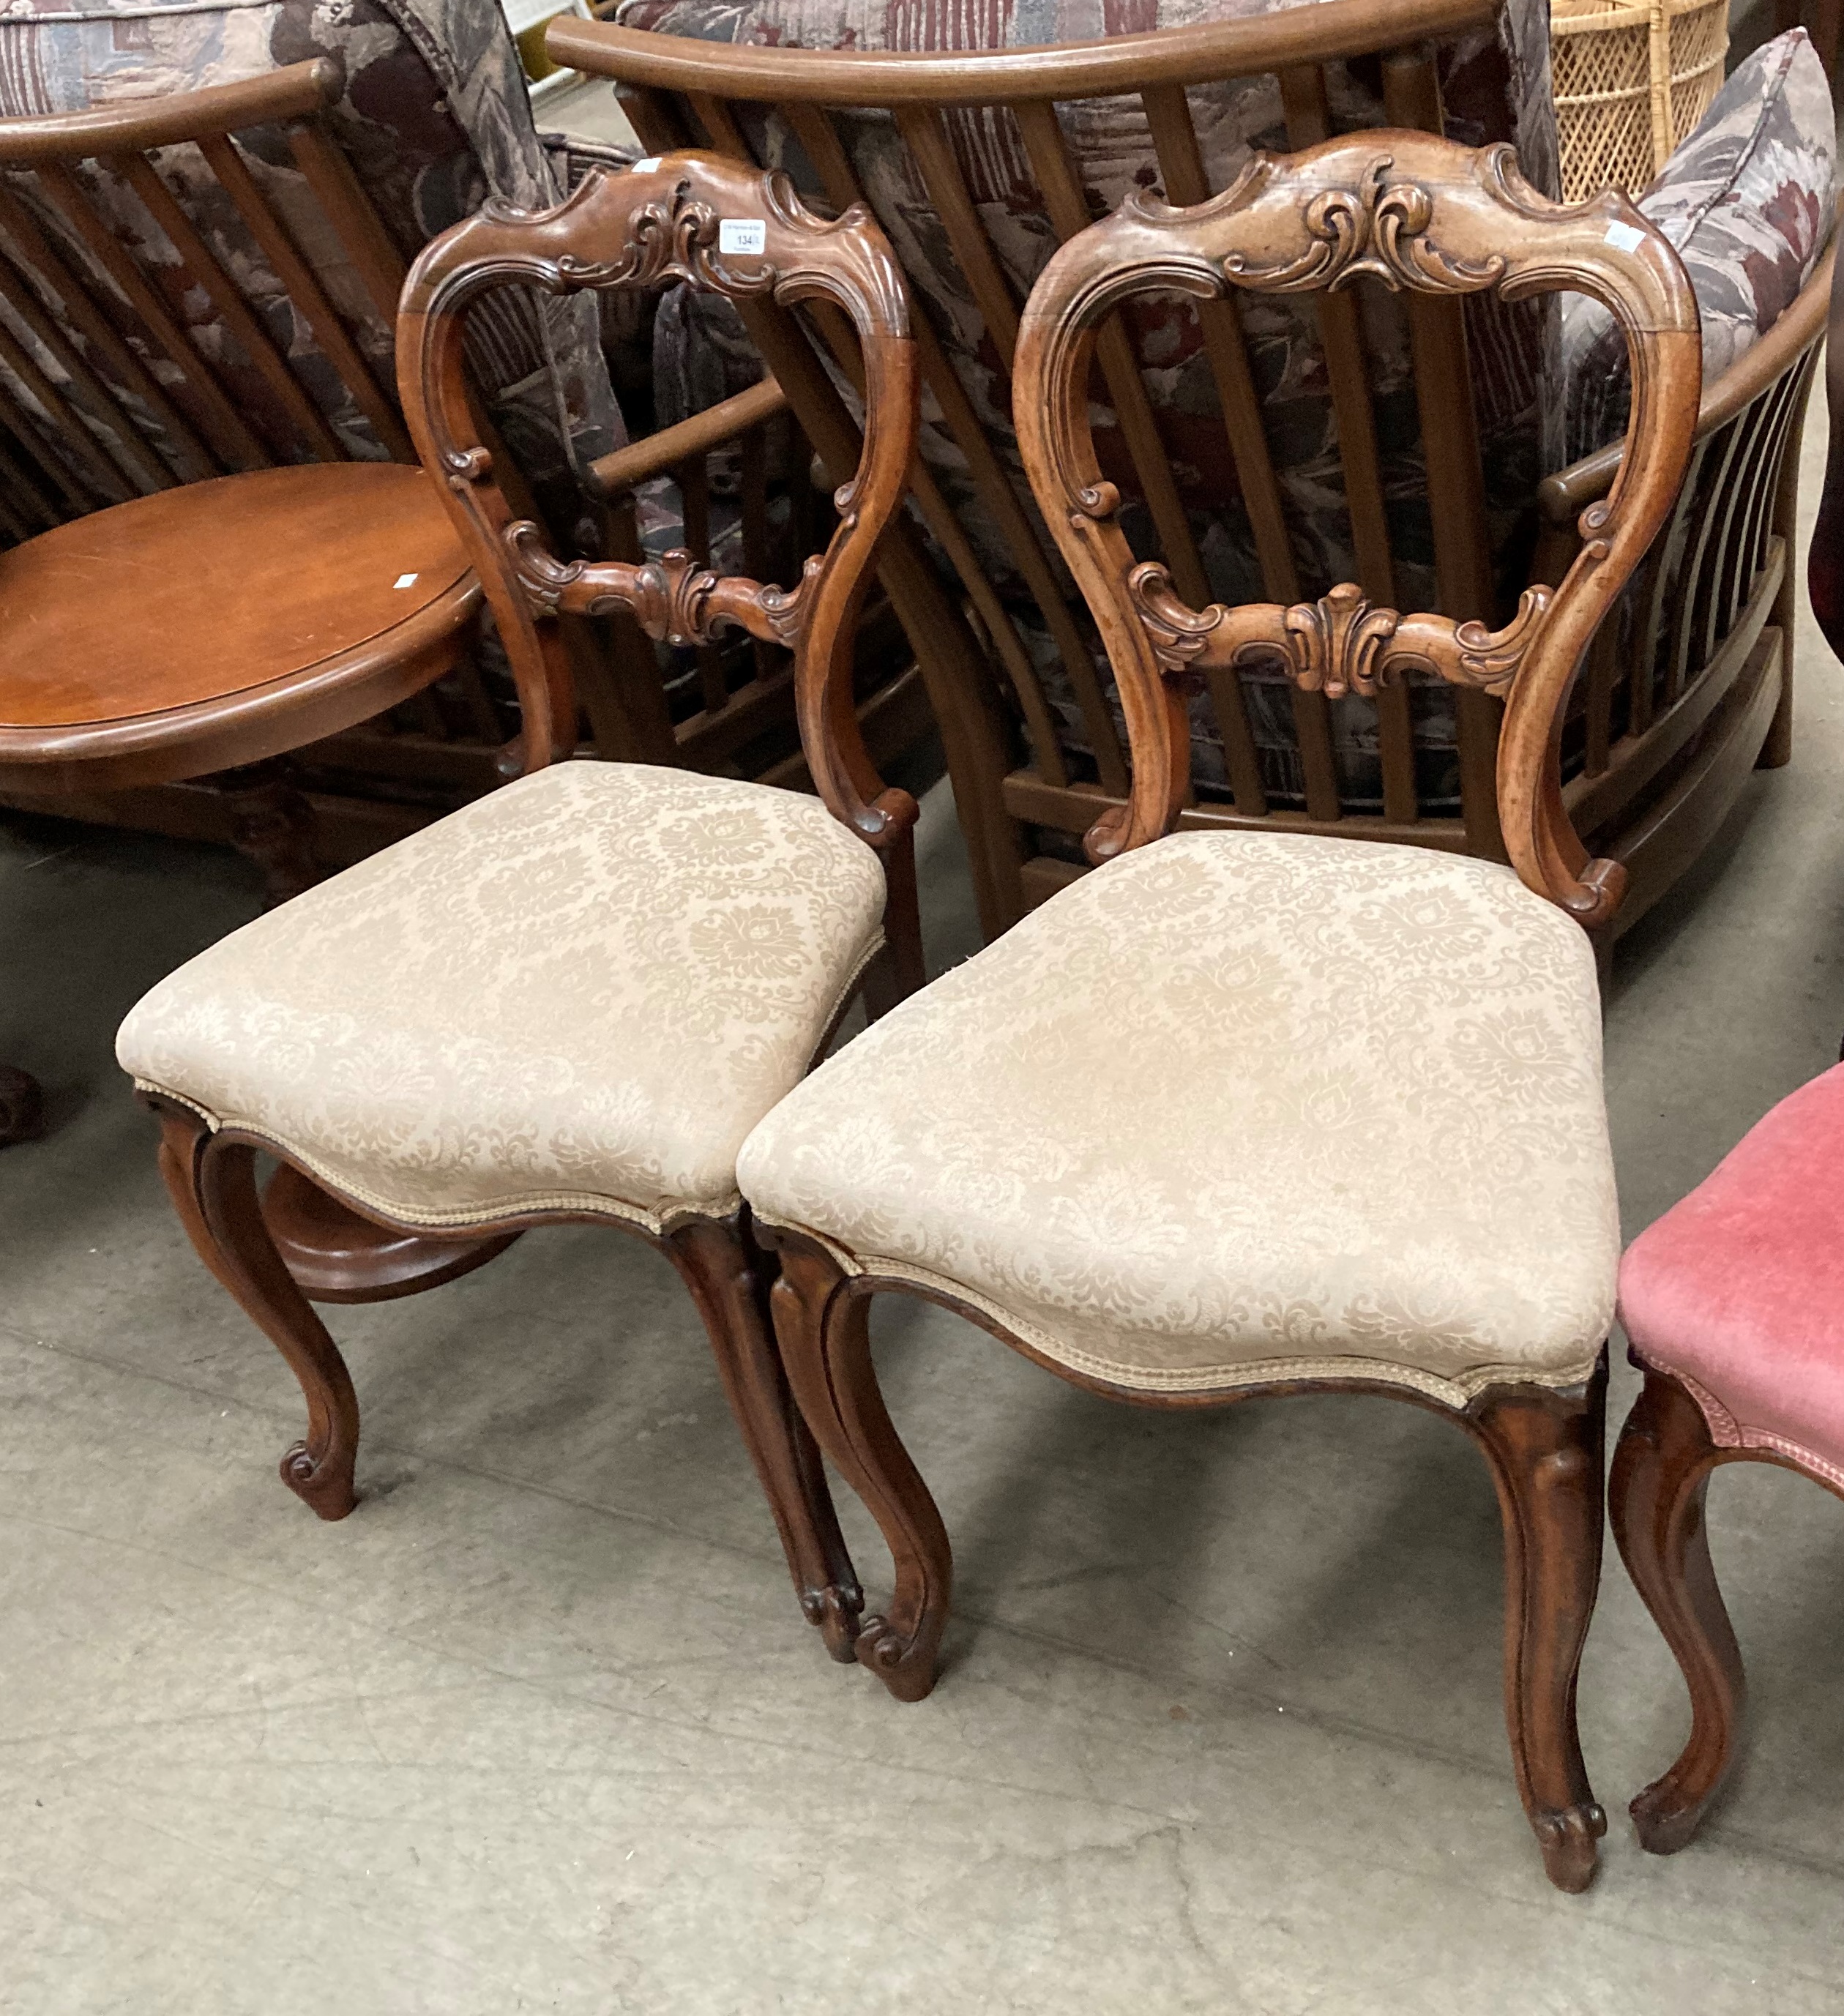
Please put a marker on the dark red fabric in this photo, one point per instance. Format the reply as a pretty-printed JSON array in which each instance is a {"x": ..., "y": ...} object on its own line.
[{"x": 1741, "y": 1286}]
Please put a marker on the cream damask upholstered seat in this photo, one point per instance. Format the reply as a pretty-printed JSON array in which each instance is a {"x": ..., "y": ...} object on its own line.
[
  {"x": 579, "y": 995},
  {"x": 1236, "y": 1108}
]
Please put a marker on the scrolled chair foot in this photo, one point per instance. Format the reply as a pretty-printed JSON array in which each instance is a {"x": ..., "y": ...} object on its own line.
[
  {"x": 905, "y": 1662},
  {"x": 1567, "y": 1842},
  {"x": 834, "y": 1612},
  {"x": 1664, "y": 1819},
  {"x": 324, "y": 1482}
]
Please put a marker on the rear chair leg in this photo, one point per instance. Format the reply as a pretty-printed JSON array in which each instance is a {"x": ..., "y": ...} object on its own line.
[
  {"x": 728, "y": 1276},
  {"x": 1545, "y": 1449},
  {"x": 1660, "y": 1473},
  {"x": 825, "y": 1339},
  {"x": 212, "y": 1182}
]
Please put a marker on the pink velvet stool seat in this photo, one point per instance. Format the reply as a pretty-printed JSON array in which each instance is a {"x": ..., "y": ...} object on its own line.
[
  {"x": 1733, "y": 1303},
  {"x": 1739, "y": 1289}
]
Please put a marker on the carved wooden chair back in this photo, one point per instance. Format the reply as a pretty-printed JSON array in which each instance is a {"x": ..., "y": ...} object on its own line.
[
  {"x": 114, "y": 381},
  {"x": 1418, "y": 214},
  {"x": 951, "y": 147},
  {"x": 736, "y": 231}
]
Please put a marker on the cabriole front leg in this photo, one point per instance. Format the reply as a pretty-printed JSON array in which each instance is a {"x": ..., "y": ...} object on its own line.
[
  {"x": 1545, "y": 1447},
  {"x": 212, "y": 1182},
  {"x": 823, "y": 1329}
]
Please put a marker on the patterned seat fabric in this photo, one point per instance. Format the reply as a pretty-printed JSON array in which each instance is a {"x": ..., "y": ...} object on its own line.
[
  {"x": 1494, "y": 89},
  {"x": 1748, "y": 200},
  {"x": 1738, "y": 1288},
  {"x": 1239, "y": 1107},
  {"x": 579, "y": 993},
  {"x": 434, "y": 117}
]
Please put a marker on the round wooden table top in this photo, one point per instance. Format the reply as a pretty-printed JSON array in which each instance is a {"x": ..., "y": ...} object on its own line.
[{"x": 206, "y": 591}]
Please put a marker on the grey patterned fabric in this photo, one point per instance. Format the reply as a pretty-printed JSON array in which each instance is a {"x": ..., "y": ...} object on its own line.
[
  {"x": 434, "y": 117},
  {"x": 1494, "y": 87},
  {"x": 1748, "y": 200}
]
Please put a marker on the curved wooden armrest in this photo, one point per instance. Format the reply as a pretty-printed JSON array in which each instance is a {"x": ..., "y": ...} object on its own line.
[
  {"x": 731, "y": 230},
  {"x": 1415, "y": 213},
  {"x": 132, "y": 125},
  {"x": 608, "y": 475},
  {"x": 1253, "y": 46},
  {"x": 1571, "y": 490}
]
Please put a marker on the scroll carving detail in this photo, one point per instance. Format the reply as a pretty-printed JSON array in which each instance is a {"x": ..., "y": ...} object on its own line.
[
  {"x": 1377, "y": 227},
  {"x": 673, "y": 598},
  {"x": 1342, "y": 643}
]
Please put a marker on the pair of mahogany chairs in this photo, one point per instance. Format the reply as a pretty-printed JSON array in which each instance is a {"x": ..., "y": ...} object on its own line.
[{"x": 1240, "y": 1114}]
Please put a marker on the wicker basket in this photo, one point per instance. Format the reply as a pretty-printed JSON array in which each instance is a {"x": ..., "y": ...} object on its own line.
[{"x": 1631, "y": 81}]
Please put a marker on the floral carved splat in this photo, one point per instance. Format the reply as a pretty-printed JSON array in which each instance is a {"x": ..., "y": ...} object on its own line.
[
  {"x": 1342, "y": 643},
  {"x": 1377, "y": 227}
]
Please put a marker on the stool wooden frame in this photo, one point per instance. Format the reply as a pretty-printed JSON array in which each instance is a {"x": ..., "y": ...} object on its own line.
[{"x": 1663, "y": 1464}]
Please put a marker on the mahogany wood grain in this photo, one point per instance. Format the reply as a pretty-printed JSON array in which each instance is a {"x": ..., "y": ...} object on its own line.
[
  {"x": 624, "y": 467},
  {"x": 655, "y": 224},
  {"x": 214, "y": 590},
  {"x": 336, "y": 1256},
  {"x": 211, "y": 1177},
  {"x": 1250, "y": 47}
]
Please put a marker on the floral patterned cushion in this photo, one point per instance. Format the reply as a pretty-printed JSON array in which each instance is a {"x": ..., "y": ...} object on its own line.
[
  {"x": 1404, "y": 1047},
  {"x": 1494, "y": 87},
  {"x": 579, "y": 993},
  {"x": 1748, "y": 200},
  {"x": 434, "y": 117}
]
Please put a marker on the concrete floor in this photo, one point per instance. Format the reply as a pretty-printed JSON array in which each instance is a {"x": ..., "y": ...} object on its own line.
[{"x": 538, "y": 1728}]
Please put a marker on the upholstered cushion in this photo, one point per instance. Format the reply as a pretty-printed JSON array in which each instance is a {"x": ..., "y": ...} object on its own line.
[
  {"x": 1739, "y": 1289},
  {"x": 1239, "y": 1107},
  {"x": 580, "y": 993},
  {"x": 1748, "y": 201}
]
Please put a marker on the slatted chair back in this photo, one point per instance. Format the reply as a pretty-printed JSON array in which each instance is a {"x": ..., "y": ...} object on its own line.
[
  {"x": 737, "y": 232},
  {"x": 142, "y": 344},
  {"x": 1411, "y": 514},
  {"x": 1420, "y": 215},
  {"x": 1009, "y": 100},
  {"x": 1682, "y": 680}
]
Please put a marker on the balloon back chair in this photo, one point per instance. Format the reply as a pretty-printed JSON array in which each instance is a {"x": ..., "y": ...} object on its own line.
[
  {"x": 1248, "y": 1113},
  {"x": 572, "y": 1000}
]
